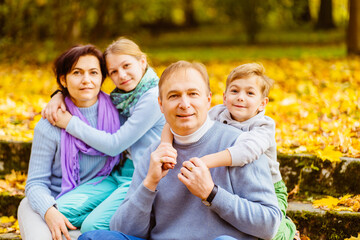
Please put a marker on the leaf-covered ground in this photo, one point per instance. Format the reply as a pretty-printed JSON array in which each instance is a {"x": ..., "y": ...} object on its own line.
[{"x": 315, "y": 102}]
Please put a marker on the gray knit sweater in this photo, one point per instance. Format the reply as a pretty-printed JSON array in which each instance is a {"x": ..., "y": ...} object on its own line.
[{"x": 245, "y": 204}]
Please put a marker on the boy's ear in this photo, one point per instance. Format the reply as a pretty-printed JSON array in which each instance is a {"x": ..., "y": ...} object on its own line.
[
  {"x": 224, "y": 98},
  {"x": 263, "y": 104}
]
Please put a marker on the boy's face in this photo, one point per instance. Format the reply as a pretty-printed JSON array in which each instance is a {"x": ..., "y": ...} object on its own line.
[{"x": 243, "y": 98}]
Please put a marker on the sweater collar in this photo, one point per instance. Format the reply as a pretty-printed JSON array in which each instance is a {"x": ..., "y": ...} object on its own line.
[{"x": 195, "y": 136}]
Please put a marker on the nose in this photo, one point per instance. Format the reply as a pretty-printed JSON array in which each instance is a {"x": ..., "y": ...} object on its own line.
[
  {"x": 86, "y": 78},
  {"x": 184, "y": 102},
  {"x": 241, "y": 96},
  {"x": 122, "y": 73}
]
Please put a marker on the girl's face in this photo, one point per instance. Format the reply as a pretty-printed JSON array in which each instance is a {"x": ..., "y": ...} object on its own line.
[
  {"x": 84, "y": 81},
  {"x": 125, "y": 70}
]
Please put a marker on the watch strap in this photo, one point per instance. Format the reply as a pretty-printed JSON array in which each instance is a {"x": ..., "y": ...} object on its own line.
[{"x": 212, "y": 194}]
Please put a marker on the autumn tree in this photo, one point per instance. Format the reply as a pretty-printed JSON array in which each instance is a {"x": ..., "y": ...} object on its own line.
[
  {"x": 353, "y": 32},
  {"x": 301, "y": 11},
  {"x": 325, "y": 16}
]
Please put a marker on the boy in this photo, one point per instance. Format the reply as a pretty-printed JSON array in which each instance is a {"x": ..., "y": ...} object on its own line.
[{"x": 245, "y": 99}]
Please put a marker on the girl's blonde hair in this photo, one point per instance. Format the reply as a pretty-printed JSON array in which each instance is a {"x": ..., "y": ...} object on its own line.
[{"x": 124, "y": 46}]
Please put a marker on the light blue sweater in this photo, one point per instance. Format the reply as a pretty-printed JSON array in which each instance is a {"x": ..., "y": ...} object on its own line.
[
  {"x": 136, "y": 133},
  {"x": 44, "y": 175},
  {"x": 244, "y": 207}
]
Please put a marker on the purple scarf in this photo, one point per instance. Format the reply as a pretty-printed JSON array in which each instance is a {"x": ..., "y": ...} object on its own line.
[{"x": 108, "y": 121}]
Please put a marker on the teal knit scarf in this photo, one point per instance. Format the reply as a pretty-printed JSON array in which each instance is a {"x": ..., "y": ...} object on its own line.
[{"x": 123, "y": 101}]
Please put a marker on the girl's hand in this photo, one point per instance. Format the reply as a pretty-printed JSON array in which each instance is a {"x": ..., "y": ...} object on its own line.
[
  {"x": 50, "y": 111},
  {"x": 63, "y": 119},
  {"x": 58, "y": 224}
]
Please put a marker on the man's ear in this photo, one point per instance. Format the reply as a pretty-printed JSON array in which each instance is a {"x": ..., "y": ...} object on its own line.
[
  {"x": 160, "y": 104},
  {"x": 263, "y": 104}
]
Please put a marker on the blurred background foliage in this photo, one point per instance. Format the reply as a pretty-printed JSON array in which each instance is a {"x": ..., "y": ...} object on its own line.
[{"x": 37, "y": 30}]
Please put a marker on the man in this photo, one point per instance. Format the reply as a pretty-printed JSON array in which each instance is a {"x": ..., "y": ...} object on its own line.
[{"x": 191, "y": 201}]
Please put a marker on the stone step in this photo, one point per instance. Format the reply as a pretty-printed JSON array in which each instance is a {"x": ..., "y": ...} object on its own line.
[
  {"x": 309, "y": 173},
  {"x": 323, "y": 225}
]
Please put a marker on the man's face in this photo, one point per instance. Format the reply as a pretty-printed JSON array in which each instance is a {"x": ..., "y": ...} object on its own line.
[{"x": 185, "y": 101}]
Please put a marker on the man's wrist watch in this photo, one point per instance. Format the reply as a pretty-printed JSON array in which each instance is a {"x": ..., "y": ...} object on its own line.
[{"x": 211, "y": 196}]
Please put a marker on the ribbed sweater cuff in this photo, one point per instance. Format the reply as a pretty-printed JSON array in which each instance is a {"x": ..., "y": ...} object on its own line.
[{"x": 40, "y": 201}]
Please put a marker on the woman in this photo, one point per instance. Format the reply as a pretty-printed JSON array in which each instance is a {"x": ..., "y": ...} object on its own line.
[
  {"x": 55, "y": 167},
  {"x": 135, "y": 96}
]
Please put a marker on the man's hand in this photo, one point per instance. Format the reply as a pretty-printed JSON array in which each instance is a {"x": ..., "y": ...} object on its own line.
[
  {"x": 164, "y": 153},
  {"x": 63, "y": 118},
  {"x": 49, "y": 112},
  {"x": 58, "y": 224},
  {"x": 195, "y": 175}
]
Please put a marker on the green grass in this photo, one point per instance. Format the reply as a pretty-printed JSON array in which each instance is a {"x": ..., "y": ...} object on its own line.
[
  {"x": 243, "y": 52},
  {"x": 207, "y": 43}
]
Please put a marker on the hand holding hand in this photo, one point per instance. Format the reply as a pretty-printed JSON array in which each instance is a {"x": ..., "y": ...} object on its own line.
[
  {"x": 49, "y": 112},
  {"x": 195, "y": 175},
  {"x": 58, "y": 224},
  {"x": 164, "y": 153}
]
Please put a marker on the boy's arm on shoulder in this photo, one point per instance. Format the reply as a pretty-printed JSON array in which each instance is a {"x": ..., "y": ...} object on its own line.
[
  {"x": 219, "y": 159},
  {"x": 250, "y": 145}
]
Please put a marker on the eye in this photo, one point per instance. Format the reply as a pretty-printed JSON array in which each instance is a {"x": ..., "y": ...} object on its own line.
[
  {"x": 113, "y": 72},
  {"x": 76, "y": 72},
  {"x": 251, "y": 93},
  {"x": 172, "y": 96},
  {"x": 193, "y": 94},
  {"x": 127, "y": 65},
  {"x": 94, "y": 73},
  {"x": 234, "y": 90}
]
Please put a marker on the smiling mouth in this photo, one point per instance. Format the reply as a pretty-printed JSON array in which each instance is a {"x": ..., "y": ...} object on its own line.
[
  {"x": 125, "y": 82},
  {"x": 185, "y": 115}
]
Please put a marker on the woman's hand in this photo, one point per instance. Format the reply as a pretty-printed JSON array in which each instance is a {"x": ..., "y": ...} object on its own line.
[
  {"x": 164, "y": 153},
  {"x": 63, "y": 118},
  {"x": 50, "y": 111},
  {"x": 58, "y": 224}
]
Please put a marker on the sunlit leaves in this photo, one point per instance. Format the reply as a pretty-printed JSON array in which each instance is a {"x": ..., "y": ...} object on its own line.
[
  {"x": 9, "y": 224},
  {"x": 314, "y": 102},
  {"x": 13, "y": 184},
  {"x": 346, "y": 203}
]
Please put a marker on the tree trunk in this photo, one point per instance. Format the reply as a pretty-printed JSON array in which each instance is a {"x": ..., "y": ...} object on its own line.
[
  {"x": 353, "y": 32},
  {"x": 190, "y": 20},
  {"x": 325, "y": 17},
  {"x": 301, "y": 11}
]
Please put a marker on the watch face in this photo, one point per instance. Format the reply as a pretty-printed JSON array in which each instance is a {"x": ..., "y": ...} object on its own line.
[{"x": 206, "y": 203}]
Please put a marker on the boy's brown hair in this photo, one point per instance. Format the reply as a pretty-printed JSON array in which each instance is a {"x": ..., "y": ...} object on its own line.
[
  {"x": 183, "y": 65},
  {"x": 249, "y": 70}
]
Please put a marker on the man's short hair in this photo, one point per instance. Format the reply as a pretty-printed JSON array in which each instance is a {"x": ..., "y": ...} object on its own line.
[
  {"x": 183, "y": 65},
  {"x": 249, "y": 70}
]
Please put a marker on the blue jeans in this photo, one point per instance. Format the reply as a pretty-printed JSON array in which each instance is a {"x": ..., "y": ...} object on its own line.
[
  {"x": 106, "y": 235},
  {"x": 113, "y": 235}
]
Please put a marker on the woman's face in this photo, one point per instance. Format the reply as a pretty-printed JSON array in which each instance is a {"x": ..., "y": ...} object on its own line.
[
  {"x": 125, "y": 70},
  {"x": 84, "y": 81}
]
